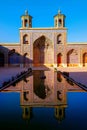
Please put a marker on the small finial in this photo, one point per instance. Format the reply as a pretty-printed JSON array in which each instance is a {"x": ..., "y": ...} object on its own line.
[
  {"x": 59, "y": 11},
  {"x": 26, "y": 12}
]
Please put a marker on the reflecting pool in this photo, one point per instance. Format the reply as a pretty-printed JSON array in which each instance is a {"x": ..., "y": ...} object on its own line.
[{"x": 44, "y": 101}]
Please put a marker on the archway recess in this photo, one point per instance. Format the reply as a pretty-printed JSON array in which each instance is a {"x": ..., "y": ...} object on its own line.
[
  {"x": 1, "y": 59},
  {"x": 72, "y": 58},
  {"x": 59, "y": 59},
  {"x": 42, "y": 51},
  {"x": 85, "y": 59}
]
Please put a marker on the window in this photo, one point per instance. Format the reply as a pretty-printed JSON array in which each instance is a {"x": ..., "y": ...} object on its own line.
[
  {"x": 59, "y": 23},
  {"x": 25, "y": 39},
  {"x": 59, "y": 39},
  {"x": 26, "y": 23}
]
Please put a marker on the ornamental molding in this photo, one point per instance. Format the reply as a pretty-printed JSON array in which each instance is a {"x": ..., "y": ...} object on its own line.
[{"x": 43, "y": 31}]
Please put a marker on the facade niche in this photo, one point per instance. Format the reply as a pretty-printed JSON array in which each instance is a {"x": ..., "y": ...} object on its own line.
[
  {"x": 59, "y": 39},
  {"x": 72, "y": 58},
  {"x": 2, "y": 59},
  {"x": 59, "y": 59},
  {"x": 85, "y": 59},
  {"x": 25, "y": 39}
]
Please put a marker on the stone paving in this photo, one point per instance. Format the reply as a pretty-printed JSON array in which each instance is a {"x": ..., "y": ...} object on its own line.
[
  {"x": 78, "y": 74},
  {"x": 7, "y": 73}
]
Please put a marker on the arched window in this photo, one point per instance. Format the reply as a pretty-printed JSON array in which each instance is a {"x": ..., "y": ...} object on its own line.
[
  {"x": 25, "y": 39},
  {"x": 85, "y": 59},
  {"x": 26, "y": 23},
  {"x": 59, "y": 39},
  {"x": 59, "y": 23}
]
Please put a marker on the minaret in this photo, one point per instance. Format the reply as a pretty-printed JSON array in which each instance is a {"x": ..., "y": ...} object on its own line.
[
  {"x": 26, "y": 20},
  {"x": 59, "y": 20}
]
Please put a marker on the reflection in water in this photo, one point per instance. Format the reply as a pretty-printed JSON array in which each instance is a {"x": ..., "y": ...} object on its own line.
[
  {"x": 43, "y": 89},
  {"x": 25, "y": 95}
]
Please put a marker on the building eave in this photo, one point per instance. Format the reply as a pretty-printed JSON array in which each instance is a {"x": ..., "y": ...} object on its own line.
[
  {"x": 9, "y": 44},
  {"x": 51, "y": 28}
]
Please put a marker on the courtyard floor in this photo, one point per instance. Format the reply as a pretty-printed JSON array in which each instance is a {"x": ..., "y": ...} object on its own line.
[{"x": 78, "y": 74}]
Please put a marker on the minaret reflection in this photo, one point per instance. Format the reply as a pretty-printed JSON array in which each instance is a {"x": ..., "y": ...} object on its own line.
[
  {"x": 60, "y": 96},
  {"x": 26, "y": 97},
  {"x": 27, "y": 112},
  {"x": 44, "y": 89}
]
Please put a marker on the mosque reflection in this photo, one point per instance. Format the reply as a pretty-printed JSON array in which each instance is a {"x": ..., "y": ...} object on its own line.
[{"x": 44, "y": 89}]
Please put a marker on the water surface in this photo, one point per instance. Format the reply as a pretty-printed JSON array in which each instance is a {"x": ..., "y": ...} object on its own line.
[{"x": 43, "y": 101}]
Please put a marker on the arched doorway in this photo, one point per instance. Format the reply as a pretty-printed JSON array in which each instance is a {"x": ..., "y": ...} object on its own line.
[
  {"x": 42, "y": 51},
  {"x": 59, "y": 59},
  {"x": 85, "y": 59},
  {"x": 1, "y": 59}
]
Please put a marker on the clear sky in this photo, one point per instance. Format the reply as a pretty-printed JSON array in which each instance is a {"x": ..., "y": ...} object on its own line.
[{"x": 43, "y": 12}]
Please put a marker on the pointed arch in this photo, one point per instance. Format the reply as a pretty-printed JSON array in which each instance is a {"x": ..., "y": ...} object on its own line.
[
  {"x": 59, "y": 59},
  {"x": 25, "y": 39},
  {"x": 42, "y": 51},
  {"x": 59, "y": 39},
  {"x": 72, "y": 58},
  {"x": 85, "y": 59}
]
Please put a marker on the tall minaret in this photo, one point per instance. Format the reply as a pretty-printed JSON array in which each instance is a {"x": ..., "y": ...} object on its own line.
[
  {"x": 26, "y": 20},
  {"x": 59, "y": 20}
]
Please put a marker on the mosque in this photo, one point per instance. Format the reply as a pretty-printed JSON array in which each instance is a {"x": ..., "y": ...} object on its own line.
[{"x": 43, "y": 46}]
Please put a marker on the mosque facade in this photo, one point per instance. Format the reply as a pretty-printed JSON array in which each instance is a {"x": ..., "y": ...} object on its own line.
[{"x": 43, "y": 46}]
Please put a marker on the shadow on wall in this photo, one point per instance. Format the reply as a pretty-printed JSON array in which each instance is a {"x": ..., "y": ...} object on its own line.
[
  {"x": 11, "y": 57},
  {"x": 41, "y": 54}
]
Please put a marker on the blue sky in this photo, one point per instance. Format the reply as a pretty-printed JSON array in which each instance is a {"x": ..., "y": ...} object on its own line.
[{"x": 43, "y": 12}]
